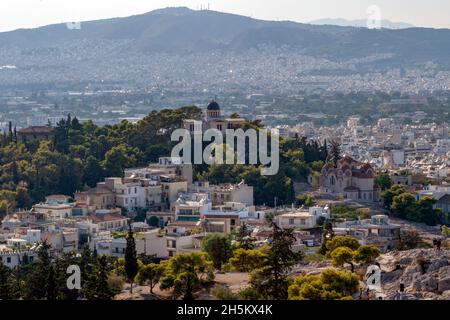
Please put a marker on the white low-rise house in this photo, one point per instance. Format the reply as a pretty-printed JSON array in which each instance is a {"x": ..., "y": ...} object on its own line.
[
  {"x": 56, "y": 207},
  {"x": 227, "y": 217},
  {"x": 16, "y": 243},
  {"x": 62, "y": 240},
  {"x": 33, "y": 236},
  {"x": 148, "y": 243},
  {"x": 376, "y": 231},
  {"x": 179, "y": 238},
  {"x": 302, "y": 218},
  {"x": 103, "y": 220},
  {"x": 442, "y": 195},
  {"x": 296, "y": 220},
  {"x": 134, "y": 193},
  {"x": 191, "y": 207},
  {"x": 13, "y": 257},
  {"x": 183, "y": 244},
  {"x": 11, "y": 221},
  {"x": 222, "y": 193},
  {"x": 102, "y": 243}
]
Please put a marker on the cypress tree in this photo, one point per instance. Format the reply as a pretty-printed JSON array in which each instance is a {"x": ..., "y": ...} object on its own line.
[
  {"x": 334, "y": 154},
  {"x": 131, "y": 263},
  {"x": 10, "y": 133}
]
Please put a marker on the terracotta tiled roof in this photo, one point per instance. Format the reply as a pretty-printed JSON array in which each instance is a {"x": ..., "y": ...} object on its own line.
[
  {"x": 58, "y": 196},
  {"x": 106, "y": 217},
  {"x": 36, "y": 129},
  {"x": 222, "y": 216},
  {"x": 347, "y": 159},
  {"x": 183, "y": 224}
]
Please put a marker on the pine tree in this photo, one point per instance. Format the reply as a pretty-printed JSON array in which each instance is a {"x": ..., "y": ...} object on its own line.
[
  {"x": 97, "y": 284},
  {"x": 271, "y": 281},
  {"x": 5, "y": 289},
  {"x": 14, "y": 173},
  {"x": 37, "y": 279},
  {"x": 51, "y": 289},
  {"x": 87, "y": 268},
  {"x": 61, "y": 265},
  {"x": 131, "y": 263},
  {"x": 243, "y": 237}
]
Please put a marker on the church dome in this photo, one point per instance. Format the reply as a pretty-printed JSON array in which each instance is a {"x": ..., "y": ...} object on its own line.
[{"x": 213, "y": 105}]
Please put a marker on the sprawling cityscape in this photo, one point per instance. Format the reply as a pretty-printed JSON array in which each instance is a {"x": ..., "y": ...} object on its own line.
[{"x": 95, "y": 206}]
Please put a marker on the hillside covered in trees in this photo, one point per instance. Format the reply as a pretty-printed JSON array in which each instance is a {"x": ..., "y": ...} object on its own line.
[{"x": 83, "y": 154}]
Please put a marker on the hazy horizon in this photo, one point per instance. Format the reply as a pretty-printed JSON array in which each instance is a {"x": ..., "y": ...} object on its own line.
[{"x": 16, "y": 14}]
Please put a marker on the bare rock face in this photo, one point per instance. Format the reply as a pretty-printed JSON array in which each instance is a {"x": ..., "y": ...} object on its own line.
[
  {"x": 444, "y": 284},
  {"x": 446, "y": 295},
  {"x": 424, "y": 273}
]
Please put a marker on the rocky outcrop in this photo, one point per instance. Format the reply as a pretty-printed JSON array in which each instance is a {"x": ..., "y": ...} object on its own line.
[{"x": 424, "y": 274}]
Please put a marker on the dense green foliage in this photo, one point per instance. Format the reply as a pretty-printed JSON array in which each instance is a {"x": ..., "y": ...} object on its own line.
[
  {"x": 329, "y": 285},
  {"x": 46, "y": 277},
  {"x": 271, "y": 281},
  {"x": 185, "y": 272},
  {"x": 298, "y": 158},
  {"x": 383, "y": 181},
  {"x": 247, "y": 260},
  {"x": 83, "y": 154},
  {"x": 150, "y": 274},
  {"x": 341, "y": 241},
  {"x": 218, "y": 248},
  {"x": 342, "y": 211},
  {"x": 404, "y": 205}
]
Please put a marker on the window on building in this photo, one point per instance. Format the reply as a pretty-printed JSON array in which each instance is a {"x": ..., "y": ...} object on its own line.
[
  {"x": 291, "y": 221},
  {"x": 8, "y": 260}
]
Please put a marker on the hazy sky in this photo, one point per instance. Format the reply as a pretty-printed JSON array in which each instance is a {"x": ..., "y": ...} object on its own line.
[{"x": 32, "y": 13}]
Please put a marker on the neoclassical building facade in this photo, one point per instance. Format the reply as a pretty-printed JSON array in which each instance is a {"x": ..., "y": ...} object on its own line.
[{"x": 213, "y": 120}]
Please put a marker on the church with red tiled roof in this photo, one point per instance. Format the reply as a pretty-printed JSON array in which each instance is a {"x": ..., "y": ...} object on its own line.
[{"x": 351, "y": 179}]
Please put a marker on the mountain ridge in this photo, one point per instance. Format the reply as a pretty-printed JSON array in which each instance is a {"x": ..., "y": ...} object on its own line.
[
  {"x": 179, "y": 29},
  {"x": 361, "y": 23}
]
